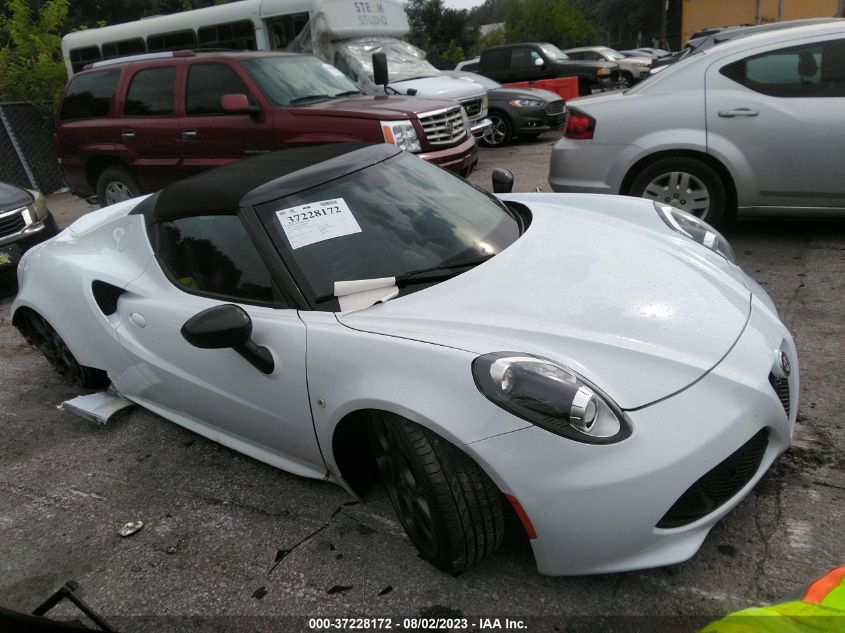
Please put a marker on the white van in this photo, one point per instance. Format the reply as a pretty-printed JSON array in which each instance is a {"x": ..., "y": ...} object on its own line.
[{"x": 344, "y": 33}]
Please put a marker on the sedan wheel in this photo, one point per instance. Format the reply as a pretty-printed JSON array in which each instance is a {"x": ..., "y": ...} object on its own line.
[
  {"x": 685, "y": 183},
  {"x": 499, "y": 133},
  {"x": 449, "y": 507}
]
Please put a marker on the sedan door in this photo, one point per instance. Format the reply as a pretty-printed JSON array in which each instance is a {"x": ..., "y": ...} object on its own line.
[
  {"x": 776, "y": 117},
  {"x": 203, "y": 262}
]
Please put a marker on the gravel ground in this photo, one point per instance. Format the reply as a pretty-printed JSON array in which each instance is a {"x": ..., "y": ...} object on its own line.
[{"x": 216, "y": 521}]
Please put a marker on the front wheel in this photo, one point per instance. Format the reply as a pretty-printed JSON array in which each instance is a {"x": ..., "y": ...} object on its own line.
[
  {"x": 500, "y": 133},
  {"x": 449, "y": 507},
  {"x": 627, "y": 80},
  {"x": 685, "y": 183}
]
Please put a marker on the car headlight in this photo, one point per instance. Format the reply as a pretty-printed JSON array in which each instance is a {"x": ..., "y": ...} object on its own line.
[
  {"x": 697, "y": 230},
  {"x": 36, "y": 211},
  {"x": 526, "y": 103},
  {"x": 402, "y": 134},
  {"x": 550, "y": 396},
  {"x": 603, "y": 71}
]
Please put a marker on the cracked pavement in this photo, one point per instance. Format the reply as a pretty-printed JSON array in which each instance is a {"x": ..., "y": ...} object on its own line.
[{"x": 225, "y": 535}]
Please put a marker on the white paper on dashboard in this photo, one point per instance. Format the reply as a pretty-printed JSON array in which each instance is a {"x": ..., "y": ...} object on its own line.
[
  {"x": 317, "y": 222},
  {"x": 366, "y": 298}
]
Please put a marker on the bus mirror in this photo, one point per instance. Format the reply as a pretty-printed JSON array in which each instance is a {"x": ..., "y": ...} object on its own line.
[{"x": 380, "y": 76}]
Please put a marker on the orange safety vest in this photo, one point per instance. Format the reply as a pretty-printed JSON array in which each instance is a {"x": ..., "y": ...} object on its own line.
[{"x": 820, "y": 610}]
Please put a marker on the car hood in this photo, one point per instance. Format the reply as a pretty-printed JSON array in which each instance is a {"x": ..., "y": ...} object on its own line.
[
  {"x": 441, "y": 87},
  {"x": 364, "y": 107},
  {"x": 597, "y": 283},
  {"x": 12, "y": 197},
  {"x": 506, "y": 94}
]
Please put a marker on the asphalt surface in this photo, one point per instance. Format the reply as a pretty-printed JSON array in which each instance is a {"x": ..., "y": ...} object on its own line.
[{"x": 216, "y": 522}]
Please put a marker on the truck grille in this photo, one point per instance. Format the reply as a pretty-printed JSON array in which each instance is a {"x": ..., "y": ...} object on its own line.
[
  {"x": 12, "y": 223},
  {"x": 719, "y": 485},
  {"x": 555, "y": 107},
  {"x": 443, "y": 126},
  {"x": 473, "y": 107},
  {"x": 781, "y": 387}
]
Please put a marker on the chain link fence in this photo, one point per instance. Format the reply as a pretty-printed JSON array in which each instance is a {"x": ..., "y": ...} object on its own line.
[{"x": 26, "y": 147}]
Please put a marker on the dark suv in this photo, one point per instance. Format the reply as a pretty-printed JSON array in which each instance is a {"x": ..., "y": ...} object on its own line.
[
  {"x": 530, "y": 61},
  {"x": 24, "y": 222},
  {"x": 132, "y": 126}
]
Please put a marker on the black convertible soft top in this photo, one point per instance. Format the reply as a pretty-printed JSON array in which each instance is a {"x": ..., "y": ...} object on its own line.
[{"x": 259, "y": 179}]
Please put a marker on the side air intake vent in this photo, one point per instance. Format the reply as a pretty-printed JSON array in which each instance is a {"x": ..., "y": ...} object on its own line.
[{"x": 106, "y": 296}]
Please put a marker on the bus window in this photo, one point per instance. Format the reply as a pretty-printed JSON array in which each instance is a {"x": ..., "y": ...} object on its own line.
[
  {"x": 122, "y": 48},
  {"x": 79, "y": 57},
  {"x": 285, "y": 28},
  {"x": 176, "y": 41},
  {"x": 235, "y": 35}
]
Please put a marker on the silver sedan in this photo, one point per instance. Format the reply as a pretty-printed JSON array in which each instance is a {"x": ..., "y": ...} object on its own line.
[{"x": 753, "y": 127}]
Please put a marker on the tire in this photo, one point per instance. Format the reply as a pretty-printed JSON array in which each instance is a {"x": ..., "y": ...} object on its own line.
[
  {"x": 116, "y": 184},
  {"x": 627, "y": 80},
  {"x": 684, "y": 183},
  {"x": 500, "y": 133},
  {"x": 585, "y": 86},
  {"x": 61, "y": 359},
  {"x": 449, "y": 507}
]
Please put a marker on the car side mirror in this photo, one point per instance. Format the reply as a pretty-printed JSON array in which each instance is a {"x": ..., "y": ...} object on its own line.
[
  {"x": 502, "y": 181},
  {"x": 380, "y": 76},
  {"x": 539, "y": 63},
  {"x": 227, "y": 326},
  {"x": 237, "y": 103}
]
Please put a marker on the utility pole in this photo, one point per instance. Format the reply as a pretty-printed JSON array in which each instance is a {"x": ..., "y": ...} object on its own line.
[
  {"x": 757, "y": 12},
  {"x": 663, "y": 18},
  {"x": 780, "y": 10}
]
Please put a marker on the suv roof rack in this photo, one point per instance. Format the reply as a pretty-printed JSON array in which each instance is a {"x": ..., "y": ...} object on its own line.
[{"x": 162, "y": 55}]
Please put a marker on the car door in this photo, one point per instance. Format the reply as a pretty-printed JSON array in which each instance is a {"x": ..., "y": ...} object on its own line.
[
  {"x": 527, "y": 64},
  {"x": 148, "y": 139},
  {"x": 209, "y": 136},
  {"x": 202, "y": 262},
  {"x": 776, "y": 117}
]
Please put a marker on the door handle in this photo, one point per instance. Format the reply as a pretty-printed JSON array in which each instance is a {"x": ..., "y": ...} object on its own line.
[
  {"x": 127, "y": 134},
  {"x": 189, "y": 135},
  {"x": 743, "y": 112}
]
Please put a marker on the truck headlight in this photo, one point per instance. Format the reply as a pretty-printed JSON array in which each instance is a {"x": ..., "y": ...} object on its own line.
[
  {"x": 526, "y": 103},
  {"x": 550, "y": 396},
  {"x": 402, "y": 134},
  {"x": 37, "y": 210},
  {"x": 697, "y": 230}
]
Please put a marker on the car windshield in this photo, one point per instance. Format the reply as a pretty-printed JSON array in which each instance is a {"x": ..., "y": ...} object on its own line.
[
  {"x": 293, "y": 80},
  {"x": 553, "y": 52},
  {"x": 395, "y": 217},
  {"x": 404, "y": 61}
]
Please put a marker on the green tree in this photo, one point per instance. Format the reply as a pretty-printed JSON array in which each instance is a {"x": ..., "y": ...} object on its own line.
[
  {"x": 31, "y": 67},
  {"x": 434, "y": 27},
  {"x": 560, "y": 22},
  {"x": 453, "y": 53}
]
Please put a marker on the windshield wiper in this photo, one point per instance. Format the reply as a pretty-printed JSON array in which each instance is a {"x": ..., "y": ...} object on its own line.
[
  {"x": 425, "y": 275},
  {"x": 439, "y": 272},
  {"x": 309, "y": 98},
  {"x": 347, "y": 93}
]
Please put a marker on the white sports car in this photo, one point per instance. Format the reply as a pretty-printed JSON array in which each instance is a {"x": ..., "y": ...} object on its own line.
[{"x": 598, "y": 364}]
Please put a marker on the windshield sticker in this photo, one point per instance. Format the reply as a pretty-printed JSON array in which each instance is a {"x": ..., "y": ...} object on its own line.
[{"x": 317, "y": 222}]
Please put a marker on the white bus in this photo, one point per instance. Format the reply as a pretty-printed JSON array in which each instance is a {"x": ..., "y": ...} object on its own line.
[{"x": 344, "y": 33}]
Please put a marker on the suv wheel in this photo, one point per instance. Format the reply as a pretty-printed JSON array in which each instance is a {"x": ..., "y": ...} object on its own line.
[
  {"x": 627, "y": 80},
  {"x": 116, "y": 184},
  {"x": 686, "y": 183}
]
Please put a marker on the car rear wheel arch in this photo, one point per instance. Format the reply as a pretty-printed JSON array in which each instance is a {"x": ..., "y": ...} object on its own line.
[
  {"x": 97, "y": 165},
  {"x": 725, "y": 175}
]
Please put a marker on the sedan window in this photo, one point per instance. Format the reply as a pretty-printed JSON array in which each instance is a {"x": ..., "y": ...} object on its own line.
[
  {"x": 213, "y": 255},
  {"x": 809, "y": 70},
  {"x": 395, "y": 217}
]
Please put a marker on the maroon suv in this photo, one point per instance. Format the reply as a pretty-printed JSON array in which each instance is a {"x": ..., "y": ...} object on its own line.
[{"x": 132, "y": 126}]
